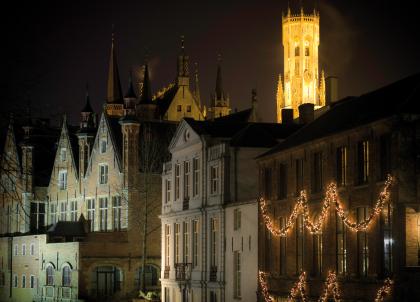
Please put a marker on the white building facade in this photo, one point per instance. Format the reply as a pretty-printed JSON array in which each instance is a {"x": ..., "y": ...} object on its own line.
[{"x": 209, "y": 215}]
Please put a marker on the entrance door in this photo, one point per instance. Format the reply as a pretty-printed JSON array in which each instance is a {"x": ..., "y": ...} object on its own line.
[{"x": 106, "y": 277}]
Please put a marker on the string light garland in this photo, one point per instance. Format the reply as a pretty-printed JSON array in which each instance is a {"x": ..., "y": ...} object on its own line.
[
  {"x": 331, "y": 288},
  {"x": 331, "y": 197}
]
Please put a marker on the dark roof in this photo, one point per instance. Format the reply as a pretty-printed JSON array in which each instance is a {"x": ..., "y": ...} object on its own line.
[
  {"x": 87, "y": 107},
  {"x": 244, "y": 134},
  {"x": 114, "y": 92},
  {"x": 241, "y": 116},
  {"x": 116, "y": 132},
  {"x": 397, "y": 98},
  {"x": 164, "y": 101},
  {"x": 146, "y": 94},
  {"x": 130, "y": 90},
  {"x": 67, "y": 229}
]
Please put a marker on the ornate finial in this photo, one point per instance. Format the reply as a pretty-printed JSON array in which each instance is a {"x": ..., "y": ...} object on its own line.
[{"x": 113, "y": 33}]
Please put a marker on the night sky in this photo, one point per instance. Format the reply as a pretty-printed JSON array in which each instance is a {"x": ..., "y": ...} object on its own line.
[{"x": 53, "y": 48}]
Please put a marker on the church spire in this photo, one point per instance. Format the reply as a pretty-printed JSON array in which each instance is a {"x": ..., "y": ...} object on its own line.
[
  {"x": 280, "y": 99},
  {"x": 197, "y": 86},
  {"x": 219, "y": 88},
  {"x": 146, "y": 93},
  {"x": 114, "y": 94},
  {"x": 183, "y": 76}
]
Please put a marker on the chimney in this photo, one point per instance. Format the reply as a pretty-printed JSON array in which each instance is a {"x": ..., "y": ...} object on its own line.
[
  {"x": 306, "y": 113},
  {"x": 287, "y": 116},
  {"x": 331, "y": 90}
]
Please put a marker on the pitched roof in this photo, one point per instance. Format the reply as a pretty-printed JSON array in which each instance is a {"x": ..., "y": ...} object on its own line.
[
  {"x": 164, "y": 101},
  {"x": 114, "y": 93},
  {"x": 67, "y": 229},
  {"x": 352, "y": 112},
  {"x": 240, "y": 116}
]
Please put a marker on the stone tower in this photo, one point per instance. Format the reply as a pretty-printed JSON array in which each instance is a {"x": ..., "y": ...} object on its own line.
[{"x": 302, "y": 81}]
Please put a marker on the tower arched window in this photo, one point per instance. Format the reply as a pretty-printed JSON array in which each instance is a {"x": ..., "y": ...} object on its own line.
[
  {"x": 50, "y": 275},
  {"x": 307, "y": 51},
  {"x": 297, "y": 51},
  {"x": 66, "y": 276}
]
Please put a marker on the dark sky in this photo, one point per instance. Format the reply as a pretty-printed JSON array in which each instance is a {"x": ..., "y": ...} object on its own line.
[{"x": 53, "y": 48}]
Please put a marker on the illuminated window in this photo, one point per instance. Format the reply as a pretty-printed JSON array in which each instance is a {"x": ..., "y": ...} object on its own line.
[
  {"x": 73, "y": 210},
  {"x": 53, "y": 213},
  {"x": 189, "y": 108},
  {"x": 167, "y": 244},
  {"x": 179, "y": 108},
  {"x": 300, "y": 238},
  {"x": 63, "y": 211},
  {"x": 341, "y": 166},
  {"x": 317, "y": 253},
  {"x": 362, "y": 243},
  {"x": 297, "y": 51},
  {"x": 307, "y": 51},
  {"x": 168, "y": 190},
  {"x": 388, "y": 240},
  {"x": 282, "y": 181},
  {"x": 317, "y": 174},
  {"x": 341, "y": 251},
  {"x": 363, "y": 161},
  {"x": 299, "y": 175}
]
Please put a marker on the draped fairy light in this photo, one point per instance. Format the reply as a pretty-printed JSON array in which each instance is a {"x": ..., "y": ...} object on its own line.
[
  {"x": 331, "y": 197},
  {"x": 331, "y": 289},
  {"x": 384, "y": 290}
]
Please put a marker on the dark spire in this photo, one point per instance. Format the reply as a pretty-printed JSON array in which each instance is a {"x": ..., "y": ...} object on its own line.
[
  {"x": 197, "y": 86},
  {"x": 114, "y": 94},
  {"x": 182, "y": 68},
  {"x": 219, "y": 88},
  {"x": 88, "y": 107},
  {"x": 146, "y": 94},
  {"x": 130, "y": 94}
]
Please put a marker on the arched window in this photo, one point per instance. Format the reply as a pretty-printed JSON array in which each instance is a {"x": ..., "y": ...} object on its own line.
[
  {"x": 307, "y": 51},
  {"x": 66, "y": 276},
  {"x": 50, "y": 275},
  {"x": 297, "y": 51}
]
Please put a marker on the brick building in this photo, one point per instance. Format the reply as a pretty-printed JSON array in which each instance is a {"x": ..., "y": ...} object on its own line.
[{"x": 355, "y": 143}]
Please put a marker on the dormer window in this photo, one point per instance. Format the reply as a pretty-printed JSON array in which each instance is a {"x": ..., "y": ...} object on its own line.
[
  {"x": 62, "y": 180},
  {"x": 103, "y": 146},
  {"x": 63, "y": 154}
]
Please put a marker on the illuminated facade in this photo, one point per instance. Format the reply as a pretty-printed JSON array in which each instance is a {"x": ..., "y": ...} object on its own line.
[{"x": 302, "y": 81}]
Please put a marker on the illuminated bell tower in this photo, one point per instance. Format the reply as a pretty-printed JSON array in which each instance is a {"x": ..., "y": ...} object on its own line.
[{"x": 302, "y": 80}]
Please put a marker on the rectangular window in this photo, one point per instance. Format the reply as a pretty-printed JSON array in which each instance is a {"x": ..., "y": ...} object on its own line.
[
  {"x": 282, "y": 181},
  {"x": 116, "y": 213},
  {"x": 213, "y": 242},
  {"x": 195, "y": 243},
  {"x": 63, "y": 211},
  {"x": 62, "y": 180},
  {"x": 32, "y": 281},
  {"x": 300, "y": 239},
  {"x": 388, "y": 240},
  {"x": 63, "y": 154},
  {"x": 341, "y": 250},
  {"x": 385, "y": 156},
  {"x": 103, "y": 174},
  {"x": 189, "y": 108},
  {"x": 236, "y": 219},
  {"x": 23, "y": 281},
  {"x": 267, "y": 183},
  {"x": 282, "y": 262},
  {"x": 168, "y": 190},
  {"x": 196, "y": 176},
  {"x": 73, "y": 210},
  {"x": 91, "y": 213},
  {"x": 103, "y": 214},
  {"x": 299, "y": 175},
  {"x": 53, "y": 213},
  {"x": 186, "y": 242},
  {"x": 214, "y": 179},
  {"x": 363, "y": 162},
  {"x": 341, "y": 166},
  {"x": 177, "y": 230},
  {"x": 362, "y": 243},
  {"x": 317, "y": 180},
  {"x": 103, "y": 146},
  {"x": 167, "y": 243},
  {"x": 179, "y": 108},
  {"x": 177, "y": 178},
  {"x": 187, "y": 179},
  {"x": 237, "y": 274}
]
